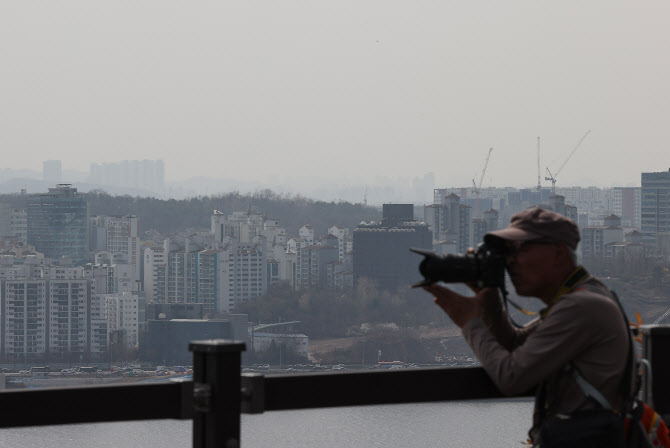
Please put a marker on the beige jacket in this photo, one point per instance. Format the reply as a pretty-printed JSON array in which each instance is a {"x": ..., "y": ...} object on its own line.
[{"x": 583, "y": 326}]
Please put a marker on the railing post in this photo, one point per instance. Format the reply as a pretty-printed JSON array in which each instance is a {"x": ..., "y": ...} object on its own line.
[
  {"x": 216, "y": 393},
  {"x": 655, "y": 349}
]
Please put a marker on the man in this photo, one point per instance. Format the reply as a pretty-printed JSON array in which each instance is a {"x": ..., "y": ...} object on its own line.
[{"x": 581, "y": 323}]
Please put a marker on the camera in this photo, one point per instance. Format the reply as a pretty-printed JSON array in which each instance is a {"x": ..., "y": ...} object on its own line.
[{"x": 484, "y": 267}]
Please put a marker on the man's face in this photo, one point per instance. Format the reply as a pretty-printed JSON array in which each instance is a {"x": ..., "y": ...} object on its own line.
[{"x": 530, "y": 265}]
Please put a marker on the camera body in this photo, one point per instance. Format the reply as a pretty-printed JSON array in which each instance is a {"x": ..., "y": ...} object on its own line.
[{"x": 484, "y": 267}]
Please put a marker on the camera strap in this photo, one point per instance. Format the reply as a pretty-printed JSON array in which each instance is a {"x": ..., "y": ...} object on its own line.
[
  {"x": 578, "y": 276},
  {"x": 570, "y": 284},
  {"x": 522, "y": 309}
]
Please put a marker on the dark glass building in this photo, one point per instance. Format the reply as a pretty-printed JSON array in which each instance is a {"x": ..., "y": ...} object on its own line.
[
  {"x": 167, "y": 341},
  {"x": 381, "y": 250},
  {"x": 58, "y": 222}
]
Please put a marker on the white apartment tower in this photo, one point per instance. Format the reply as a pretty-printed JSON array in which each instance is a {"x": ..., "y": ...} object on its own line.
[
  {"x": 118, "y": 235},
  {"x": 240, "y": 226},
  {"x": 122, "y": 314},
  {"x": 216, "y": 280},
  {"x": 54, "y": 315},
  {"x": 250, "y": 273},
  {"x": 155, "y": 264},
  {"x": 99, "y": 334},
  {"x": 24, "y": 318},
  {"x": 181, "y": 268},
  {"x": 68, "y": 312},
  {"x": 307, "y": 232},
  {"x": 345, "y": 243},
  {"x": 626, "y": 203}
]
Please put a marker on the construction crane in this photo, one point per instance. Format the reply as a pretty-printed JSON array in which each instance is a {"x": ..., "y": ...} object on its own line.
[
  {"x": 539, "y": 184},
  {"x": 552, "y": 177},
  {"x": 479, "y": 185}
]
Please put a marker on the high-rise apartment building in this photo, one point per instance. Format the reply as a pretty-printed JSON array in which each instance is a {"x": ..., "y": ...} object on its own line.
[
  {"x": 292, "y": 260},
  {"x": 250, "y": 272},
  {"x": 248, "y": 227},
  {"x": 655, "y": 206},
  {"x": 230, "y": 275},
  {"x": 155, "y": 264},
  {"x": 240, "y": 226},
  {"x": 594, "y": 199},
  {"x": 99, "y": 332},
  {"x": 24, "y": 318},
  {"x": 216, "y": 280},
  {"x": 307, "y": 232},
  {"x": 108, "y": 278},
  {"x": 182, "y": 264},
  {"x": 345, "y": 243},
  {"x": 68, "y": 318},
  {"x": 122, "y": 312},
  {"x": 453, "y": 217},
  {"x": 58, "y": 222},
  {"x": 626, "y": 203},
  {"x": 52, "y": 314},
  {"x": 595, "y": 240},
  {"x": 313, "y": 265},
  {"x": 480, "y": 226},
  {"x": 198, "y": 269},
  {"x": 118, "y": 235}
]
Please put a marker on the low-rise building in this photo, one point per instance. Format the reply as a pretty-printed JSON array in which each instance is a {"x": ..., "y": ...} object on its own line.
[{"x": 299, "y": 343}]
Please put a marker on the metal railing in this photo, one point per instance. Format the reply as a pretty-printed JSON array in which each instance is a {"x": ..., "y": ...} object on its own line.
[{"x": 218, "y": 394}]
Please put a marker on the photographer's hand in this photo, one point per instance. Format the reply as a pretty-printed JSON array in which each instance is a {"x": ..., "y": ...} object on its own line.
[{"x": 459, "y": 308}]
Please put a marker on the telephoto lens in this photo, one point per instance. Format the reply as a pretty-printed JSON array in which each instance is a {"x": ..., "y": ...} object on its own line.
[{"x": 483, "y": 267}]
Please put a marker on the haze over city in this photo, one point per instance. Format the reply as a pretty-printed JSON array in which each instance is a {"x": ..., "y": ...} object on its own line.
[
  {"x": 262, "y": 118},
  {"x": 297, "y": 95}
]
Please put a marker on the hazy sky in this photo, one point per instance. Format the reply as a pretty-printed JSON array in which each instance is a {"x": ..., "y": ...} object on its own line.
[{"x": 339, "y": 91}]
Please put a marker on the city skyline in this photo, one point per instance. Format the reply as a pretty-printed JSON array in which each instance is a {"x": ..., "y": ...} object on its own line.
[
  {"x": 61, "y": 304},
  {"x": 136, "y": 181}
]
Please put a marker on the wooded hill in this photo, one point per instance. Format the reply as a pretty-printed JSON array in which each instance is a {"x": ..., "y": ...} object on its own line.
[{"x": 172, "y": 216}]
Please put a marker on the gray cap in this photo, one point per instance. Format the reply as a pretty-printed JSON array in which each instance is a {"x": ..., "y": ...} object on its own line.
[{"x": 536, "y": 223}]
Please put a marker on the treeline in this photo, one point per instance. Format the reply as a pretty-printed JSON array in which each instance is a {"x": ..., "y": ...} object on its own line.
[
  {"x": 172, "y": 216},
  {"x": 330, "y": 314},
  {"x": 376, "y": 320}
]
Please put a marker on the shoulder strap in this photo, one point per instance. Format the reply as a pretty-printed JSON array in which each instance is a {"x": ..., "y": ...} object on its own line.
[
  {"x": 588, "y": 389},
  {"x": 626, "y": 386}
]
